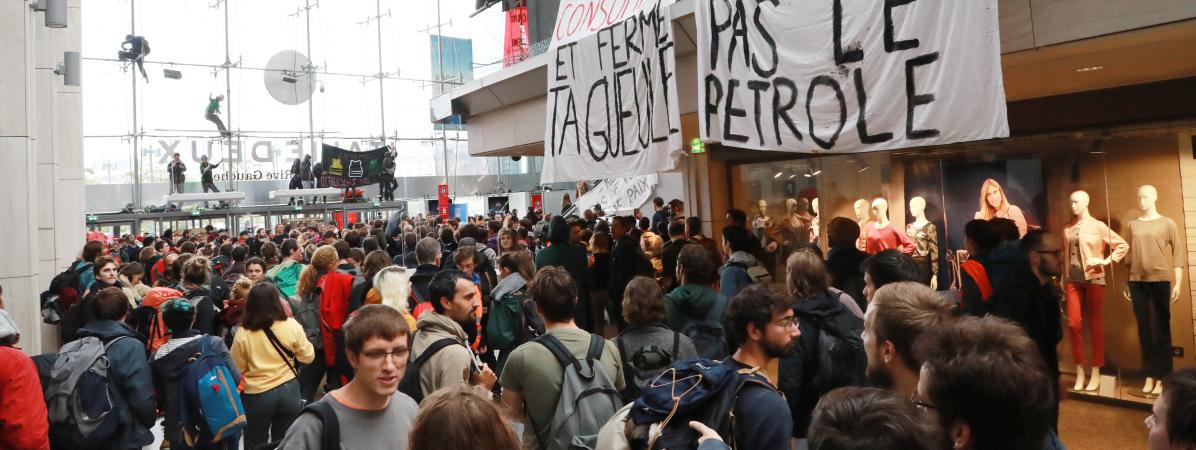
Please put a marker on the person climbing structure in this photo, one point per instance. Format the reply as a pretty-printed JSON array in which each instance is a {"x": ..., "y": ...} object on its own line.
[
  {"x": 134, "y": 49},
  {"x": 212, "y": 115}
]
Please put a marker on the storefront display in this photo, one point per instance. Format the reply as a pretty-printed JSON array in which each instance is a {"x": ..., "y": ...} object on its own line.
[
  {"x": 926, "y": 242},
  {"x": 1086, "y": 242},
  {"x": 1125, "y": 298},
  {"x": 1156, "y": 270}
]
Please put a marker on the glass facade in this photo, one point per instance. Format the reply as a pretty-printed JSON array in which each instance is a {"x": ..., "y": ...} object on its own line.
[
  {"x": 1087, "y": 190},
  {"x": 132, "y": 125}
]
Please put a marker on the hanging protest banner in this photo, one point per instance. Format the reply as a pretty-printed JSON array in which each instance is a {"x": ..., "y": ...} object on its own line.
[
  {"x": 834, "y": 76},
  {"x": 612, "y": 101},
  {"x": 576, "y": 19},
  {"x": 619, "y": 195},
  {"x": 344, "y": 168}
]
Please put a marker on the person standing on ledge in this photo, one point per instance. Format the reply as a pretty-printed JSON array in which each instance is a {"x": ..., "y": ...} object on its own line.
[{"x": 178, "y": 173}]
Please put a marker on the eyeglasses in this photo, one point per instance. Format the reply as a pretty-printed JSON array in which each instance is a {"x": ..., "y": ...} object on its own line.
[
  {"x": 787, "y": 322},
  {"x": 397, "y": 354},
  {"x": 921, "y": 405}
]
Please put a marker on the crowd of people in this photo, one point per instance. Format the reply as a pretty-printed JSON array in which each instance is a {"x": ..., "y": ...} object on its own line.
[{"x": 545, "y": 332}]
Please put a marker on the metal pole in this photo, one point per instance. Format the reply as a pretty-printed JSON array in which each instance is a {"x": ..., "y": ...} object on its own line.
[
  {"x": 440, "y": 62},
  {"x": 136, "y": 131},
  {"x": 381, "y": 72},
  {"x": 228, "y": 97},
  {"x": 311, "y": 78}
]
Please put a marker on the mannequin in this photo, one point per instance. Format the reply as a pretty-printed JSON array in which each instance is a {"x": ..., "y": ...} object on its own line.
[
  {"x": 1085, "y": 243},
  {"x": 797, "y": 214},
  {"x": 882, "y": 235},
  {"x": 761, "y": 222},
  {"x": 1156, "y": 271},
  {"x": 862, "y": 208},
  {"x": 814, "y": 220},
  {"x": 926, "y": 242}
]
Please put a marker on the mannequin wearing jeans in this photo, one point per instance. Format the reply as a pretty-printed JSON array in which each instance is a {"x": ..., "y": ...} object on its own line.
[
  {"x": 1086, "y": 240},
  {"x": 1156, "y": 270}
]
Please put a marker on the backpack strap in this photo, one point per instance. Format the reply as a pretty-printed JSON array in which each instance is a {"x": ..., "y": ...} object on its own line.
[
  {"x": 287, "y": 356},
  {"x": 432, "y": 349},
  {"x": 562, "y": 354},
  {"x": 676, "y": 345},
  {"x": 331, "y": 438}
]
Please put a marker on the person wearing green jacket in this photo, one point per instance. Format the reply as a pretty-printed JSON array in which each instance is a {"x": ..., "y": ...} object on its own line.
[
  {"x": 694, "y": 300},
  {"x": 286, "y": 274}
]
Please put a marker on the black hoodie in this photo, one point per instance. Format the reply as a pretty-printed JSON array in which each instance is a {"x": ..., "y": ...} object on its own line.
[
  {"x": 795, "y": 373},
  {"x": 571, "y": 257}
]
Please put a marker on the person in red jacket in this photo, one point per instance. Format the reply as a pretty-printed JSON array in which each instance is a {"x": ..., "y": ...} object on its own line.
[
  {"x": 24, "y": 421},
  {"x": 334, "y": 288}
]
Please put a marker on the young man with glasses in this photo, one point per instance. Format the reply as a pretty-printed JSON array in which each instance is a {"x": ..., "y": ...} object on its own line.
[
  {"x": 1029, "y": 297},
  {"x": 369, "y": 410}
]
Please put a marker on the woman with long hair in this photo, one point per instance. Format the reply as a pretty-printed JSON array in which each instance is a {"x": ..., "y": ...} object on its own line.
[
  {"x": 325, "y": 313},
  {"x": 195, "y": 273},
  {"x": 461, "y": 416},
  {"x": 392, "y": 287},
  {"x": 363, "y": 293},
  {"x": 508, "y": 241},
  {"x": 268, "y": 350},
  {"x": 994, "y": 204}
]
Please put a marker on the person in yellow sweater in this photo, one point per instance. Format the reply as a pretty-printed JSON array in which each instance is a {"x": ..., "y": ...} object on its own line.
[{"x": 268, "y": 350}]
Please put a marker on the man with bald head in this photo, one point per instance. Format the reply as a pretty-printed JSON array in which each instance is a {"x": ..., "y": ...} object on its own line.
[{"x": 1027, "y": 297}]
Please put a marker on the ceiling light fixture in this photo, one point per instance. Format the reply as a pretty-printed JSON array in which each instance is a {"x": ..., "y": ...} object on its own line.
[
  {"x": 778, "y": 175},
  {"x": 1090, "y": 69}
]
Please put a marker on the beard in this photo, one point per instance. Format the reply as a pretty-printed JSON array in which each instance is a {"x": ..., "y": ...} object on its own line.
[{"x": 774, "y": 350}]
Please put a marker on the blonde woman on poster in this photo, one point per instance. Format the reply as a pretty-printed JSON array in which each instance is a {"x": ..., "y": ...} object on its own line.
[{"x": 994, "y": 204}]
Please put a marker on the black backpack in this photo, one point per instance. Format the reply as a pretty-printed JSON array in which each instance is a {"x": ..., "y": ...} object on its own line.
[
  {"x": 63, "y": 293},
  {"x": 410, "y": 384},
  {"x": 330, "y": 439},
  {"x": 695, "y": 389},
  {"x": 840, "y": 357},
  {"x": 644, "y": 364}
]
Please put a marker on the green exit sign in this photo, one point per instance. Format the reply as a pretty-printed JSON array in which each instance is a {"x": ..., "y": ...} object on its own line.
[
  {"x": 697, "y": 147},
  {"x": 92, "y": 218},
  {"x": 195, "y": 212},
  {"x": 298, "y": 208}
]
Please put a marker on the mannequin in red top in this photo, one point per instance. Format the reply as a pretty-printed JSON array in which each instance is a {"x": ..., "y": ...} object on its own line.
[{"x": 882, "y": 235}]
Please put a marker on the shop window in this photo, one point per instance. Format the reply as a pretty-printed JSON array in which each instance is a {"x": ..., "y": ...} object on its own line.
[{"x": 1107, "y": 195}]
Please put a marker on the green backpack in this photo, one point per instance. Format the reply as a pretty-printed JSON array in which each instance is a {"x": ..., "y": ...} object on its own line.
[{"x": 512, "y": 321}]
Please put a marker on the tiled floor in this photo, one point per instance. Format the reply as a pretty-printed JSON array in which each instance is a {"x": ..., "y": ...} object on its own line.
[{"x": 1092, "y": 426}]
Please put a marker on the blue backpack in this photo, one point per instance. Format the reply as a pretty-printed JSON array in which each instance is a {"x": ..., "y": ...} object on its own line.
[{"x": 211, "y": 409}]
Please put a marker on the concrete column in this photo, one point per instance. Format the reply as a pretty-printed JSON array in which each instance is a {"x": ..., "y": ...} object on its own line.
[{"x": 41, "y": 189}]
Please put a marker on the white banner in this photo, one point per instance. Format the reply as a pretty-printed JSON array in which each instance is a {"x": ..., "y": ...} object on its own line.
[
  {"x": 612, "y": 101},
  {"x": 849, "y": 76},
  {"x": 619, "y": 195},
  {"x": 576, "y": 19}
]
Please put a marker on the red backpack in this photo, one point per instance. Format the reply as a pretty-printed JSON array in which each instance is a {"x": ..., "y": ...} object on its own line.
[{"x": 147, "y": 318}]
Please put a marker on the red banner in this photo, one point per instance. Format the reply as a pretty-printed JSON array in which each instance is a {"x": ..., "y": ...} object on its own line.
[
  {"x": 514, "y": 43},
  {"x": 537, "y": 202},
  {"x": 442, "y": 203}
]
